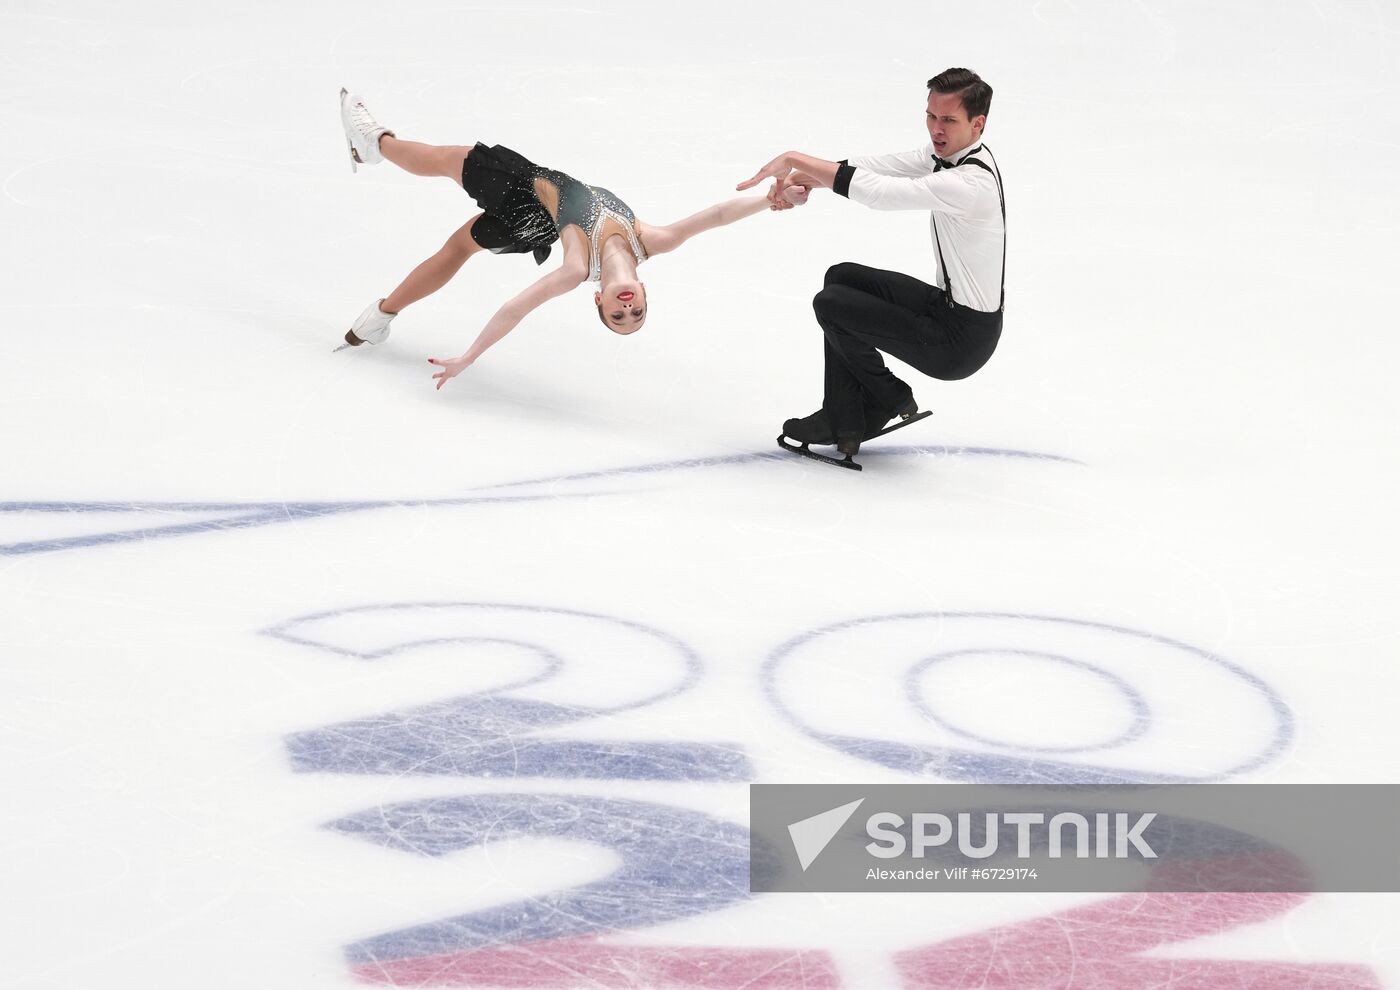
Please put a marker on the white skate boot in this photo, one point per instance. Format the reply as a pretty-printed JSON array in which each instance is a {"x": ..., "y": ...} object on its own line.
[
  {"x": 371, "y": 328},
  {"x": 362, "y": 131}
]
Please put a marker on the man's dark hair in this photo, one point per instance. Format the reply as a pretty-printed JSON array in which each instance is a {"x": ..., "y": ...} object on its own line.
[{"x": 976, "y": 95}]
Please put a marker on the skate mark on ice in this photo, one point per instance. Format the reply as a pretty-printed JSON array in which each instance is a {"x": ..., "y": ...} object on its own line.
[
  {"x": 226, "y": 516},
  {"x": 662, "y": 467},
  {"x": 156, "y": 519}
]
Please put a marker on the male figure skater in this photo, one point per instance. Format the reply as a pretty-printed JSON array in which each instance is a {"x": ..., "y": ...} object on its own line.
[{"x": 947, "y": 330}]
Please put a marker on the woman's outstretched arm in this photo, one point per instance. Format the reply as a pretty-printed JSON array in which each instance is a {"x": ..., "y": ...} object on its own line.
[
  {"x": 659, "y": 240},
  {"x": 556, "y": 283}
]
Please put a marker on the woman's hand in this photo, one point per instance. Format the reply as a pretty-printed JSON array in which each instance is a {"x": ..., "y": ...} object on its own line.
[
  {"x": 788, "y": 197},
  {"x": 451, "y": 368},
  {"x": 796, "y": 194}
]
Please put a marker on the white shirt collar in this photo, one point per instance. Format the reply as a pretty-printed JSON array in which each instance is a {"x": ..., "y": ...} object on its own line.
[{"x": 957, "y": 156}]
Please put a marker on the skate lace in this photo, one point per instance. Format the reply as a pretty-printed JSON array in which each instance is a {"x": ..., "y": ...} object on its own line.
[{"x": 361, "y": 119}]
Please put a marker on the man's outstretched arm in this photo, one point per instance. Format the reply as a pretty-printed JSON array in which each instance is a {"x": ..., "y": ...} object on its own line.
[
  {"x": 819, "y": 170},
  {"x": 947, "y": 191}
]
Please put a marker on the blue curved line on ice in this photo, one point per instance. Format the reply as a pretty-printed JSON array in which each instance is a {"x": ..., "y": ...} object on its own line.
[
  {"x": 244, "y": 515},
  {"x": 990, "y": 767}
]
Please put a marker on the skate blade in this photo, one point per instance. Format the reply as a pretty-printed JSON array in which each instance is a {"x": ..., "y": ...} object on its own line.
[
  {"x": 906, "y": 421},
  {"x": 804, "y": 451},
  {"x": 354, "y": 168},
  {"x": 352, "y": 340}
]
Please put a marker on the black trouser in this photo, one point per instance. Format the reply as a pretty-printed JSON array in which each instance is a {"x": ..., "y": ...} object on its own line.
[{"x": 864, "y": 311}]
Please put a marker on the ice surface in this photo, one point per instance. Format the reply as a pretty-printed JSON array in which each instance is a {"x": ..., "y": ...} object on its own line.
[{"x": 314, "y": 675}]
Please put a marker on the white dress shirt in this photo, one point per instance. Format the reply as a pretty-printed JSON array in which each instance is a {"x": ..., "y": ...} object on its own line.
[{"x": 966, "y": 216}]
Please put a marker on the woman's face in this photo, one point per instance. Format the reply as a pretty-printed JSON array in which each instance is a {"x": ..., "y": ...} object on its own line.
[{"x": 623, "y": 306}]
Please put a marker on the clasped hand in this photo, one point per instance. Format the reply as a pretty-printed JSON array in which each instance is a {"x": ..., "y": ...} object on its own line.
[
  {"x": 785, "y": 197},
  {"x": 790, "y": 188}
]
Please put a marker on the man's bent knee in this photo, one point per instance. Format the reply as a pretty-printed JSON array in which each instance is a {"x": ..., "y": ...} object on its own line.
[
  {"x": 840, "y": 273},
  {"x": 831, "y": 300}
]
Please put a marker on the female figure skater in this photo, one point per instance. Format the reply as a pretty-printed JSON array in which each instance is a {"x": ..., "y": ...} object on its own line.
[{"x": 527, "y": 208}]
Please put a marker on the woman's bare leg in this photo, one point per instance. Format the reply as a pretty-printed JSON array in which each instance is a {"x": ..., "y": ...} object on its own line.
[
  {"x": 426, "y": 159},
  {"x": 437, "y": 271}
]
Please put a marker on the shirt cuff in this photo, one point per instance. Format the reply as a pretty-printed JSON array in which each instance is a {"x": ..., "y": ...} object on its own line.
[{"x": 841, "y": 185}]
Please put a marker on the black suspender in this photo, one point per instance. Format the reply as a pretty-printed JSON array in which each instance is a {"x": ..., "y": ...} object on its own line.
[{"x": 940, "y": 165}]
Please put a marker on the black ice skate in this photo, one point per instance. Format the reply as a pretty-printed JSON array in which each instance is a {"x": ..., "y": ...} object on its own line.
[
  {"x": 848, "y": 446},
  {"x": 815, "y": 428}
]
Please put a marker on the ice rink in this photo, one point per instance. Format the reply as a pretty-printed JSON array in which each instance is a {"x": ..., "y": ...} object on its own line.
[{"x": 314, "y": 677}]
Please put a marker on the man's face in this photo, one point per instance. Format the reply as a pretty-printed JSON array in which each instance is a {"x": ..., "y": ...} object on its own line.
[{"x": 948, "y": 126}]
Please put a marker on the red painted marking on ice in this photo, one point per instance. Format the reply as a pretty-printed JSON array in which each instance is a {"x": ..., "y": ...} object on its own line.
[
  {"x": 1097, "y": 948},
  {"x": 1100, "y": 946},
  {"x": 584, "y": 962}
]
